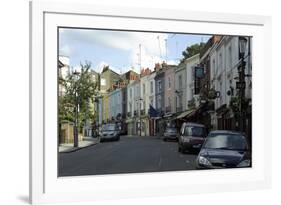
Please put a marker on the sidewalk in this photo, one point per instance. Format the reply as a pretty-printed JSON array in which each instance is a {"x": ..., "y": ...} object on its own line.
[{"x": 86, "y": 142}]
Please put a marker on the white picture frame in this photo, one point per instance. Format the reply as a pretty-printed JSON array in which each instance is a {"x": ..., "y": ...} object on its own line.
[{"x": 46, "y": 187}]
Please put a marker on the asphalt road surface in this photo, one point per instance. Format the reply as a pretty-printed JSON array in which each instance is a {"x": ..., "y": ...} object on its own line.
[{"x": 129, "y": 155}]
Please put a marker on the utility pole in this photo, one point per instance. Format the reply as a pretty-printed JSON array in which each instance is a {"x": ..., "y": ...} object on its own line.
[{"x": 159, "y": 46}]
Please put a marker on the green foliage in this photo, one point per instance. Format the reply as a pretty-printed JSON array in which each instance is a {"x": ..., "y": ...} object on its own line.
[
  {"x": 192, "y": 50},
  {"x": 80, "y": 90}
]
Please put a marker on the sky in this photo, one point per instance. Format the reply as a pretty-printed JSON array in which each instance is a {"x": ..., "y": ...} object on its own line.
[{"x": 123, "y": 50}]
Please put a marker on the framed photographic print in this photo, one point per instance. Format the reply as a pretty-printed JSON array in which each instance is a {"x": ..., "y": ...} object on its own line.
[{"x": 152, "y": 103}]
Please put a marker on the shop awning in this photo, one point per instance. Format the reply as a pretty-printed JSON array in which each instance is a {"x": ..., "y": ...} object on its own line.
[{"x": 187, "y": 113}]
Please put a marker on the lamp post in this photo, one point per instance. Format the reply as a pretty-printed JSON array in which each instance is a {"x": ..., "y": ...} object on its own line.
[
  {"x": 241, "y": 85},
  {"x": 76, "y": 74}
]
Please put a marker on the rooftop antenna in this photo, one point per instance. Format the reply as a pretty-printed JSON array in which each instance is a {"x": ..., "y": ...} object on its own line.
[{"x": 159, "y": 46}]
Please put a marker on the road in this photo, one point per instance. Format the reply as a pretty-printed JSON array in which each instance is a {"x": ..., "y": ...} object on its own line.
[{"x": 129, "y": 155}]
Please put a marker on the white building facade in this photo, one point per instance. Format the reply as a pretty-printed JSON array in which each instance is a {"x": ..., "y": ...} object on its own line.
[
  {"x": 180, "y": 88},
  {"x": 224, "y": 63},
  {"x": 147, "y": 95},
  {"x": 192, "y": 100},
  {"x": 133, "y": 107}
]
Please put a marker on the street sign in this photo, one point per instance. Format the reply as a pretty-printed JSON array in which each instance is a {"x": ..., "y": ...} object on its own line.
[
  {"x": 240, "y": 85},
  {"x": 199, "y": 72}
]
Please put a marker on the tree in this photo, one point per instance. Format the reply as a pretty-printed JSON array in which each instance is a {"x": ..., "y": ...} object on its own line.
[
  {"x": 80, "y": 90},
  {"x": 192, "y": 50}
]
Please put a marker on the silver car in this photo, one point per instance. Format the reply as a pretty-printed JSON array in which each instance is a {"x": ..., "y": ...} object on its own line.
[
  {"x": 109, "y": 132},
  {"x": 171, "y": 133}
]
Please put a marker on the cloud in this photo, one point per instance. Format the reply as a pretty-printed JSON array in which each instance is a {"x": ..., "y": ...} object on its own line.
[
  {"x": 117, "y": 39},
  {"x": 66, "y": 50},
  {"x": 152, "y": 44},
  {"x": 147, "y": 59}
]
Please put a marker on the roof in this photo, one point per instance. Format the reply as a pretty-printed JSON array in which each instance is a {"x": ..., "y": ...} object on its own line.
[
  {"x": 192, "y": 57},
  {"x": 185, "y": 113},
  {"x": 107, "y": 68}
]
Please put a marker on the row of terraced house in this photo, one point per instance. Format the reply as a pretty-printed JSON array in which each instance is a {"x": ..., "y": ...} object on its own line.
[{"x": 201, "y": 89}]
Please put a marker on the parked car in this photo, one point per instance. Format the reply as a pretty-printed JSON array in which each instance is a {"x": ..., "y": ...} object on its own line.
[
  {"x": 192, "y": 136},
  {"x": 122, "y": 128},
  {"x": 110, "y": 132},
  {"x": 224, "y": 149},
  {"x": 171, "y": 133}
]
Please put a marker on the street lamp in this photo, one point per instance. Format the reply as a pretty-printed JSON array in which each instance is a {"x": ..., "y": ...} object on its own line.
[
  {"x": 241, "y": 85},
  {"x": 76, "y": 78}
]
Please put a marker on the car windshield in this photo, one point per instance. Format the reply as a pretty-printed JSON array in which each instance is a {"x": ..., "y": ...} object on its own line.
[
  {"x": 171, "y": 129},
  {"x": 195, "y": 131},
  {"x": 108, "y": 127},
  {"x": 226, "y": 141}
]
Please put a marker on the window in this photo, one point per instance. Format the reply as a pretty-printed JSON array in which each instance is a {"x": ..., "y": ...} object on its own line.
[
  {"x": 229, "y": 57},
  {"x": 169, "y": 102},
  {"x": 180, "y": 82},
  {"x": 195, "y": 131},
  {"x": 169, "y": 82},
  {"x": 103, "y": 82},
  {"x": 180, "y": 101},
  {"x": 226, "y": 141},
  {"x": 151, "y": 87},
  {"x": 214, "y": 67},
  {"x": 220, "y": 63},
  {"x": 143, "y": 89},
  {"x": 131, "y": 93},
  {"x": 159, "y": 102},
  {"x": 221, "y": 92},
  {"x": 130, "y": 107},
  {"x": 159, "y": 86}
]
